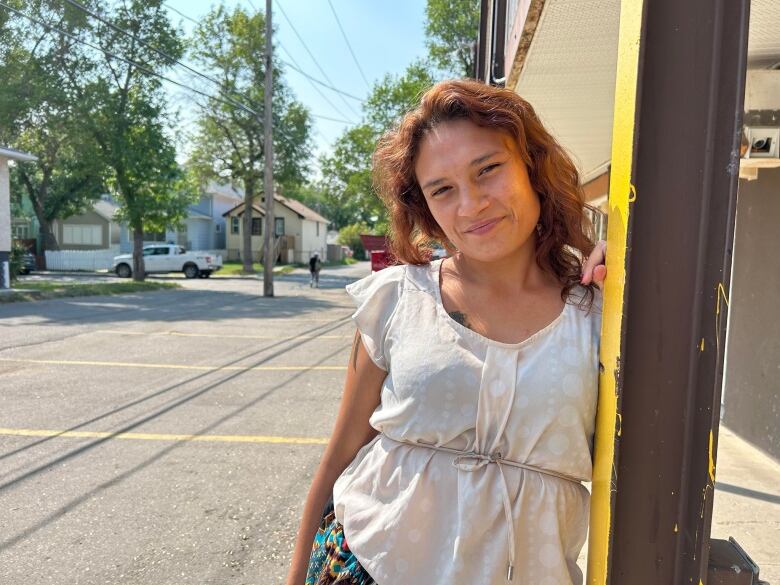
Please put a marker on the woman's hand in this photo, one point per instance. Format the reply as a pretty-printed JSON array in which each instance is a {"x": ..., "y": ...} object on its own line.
[{"x": 594, "y": 269}]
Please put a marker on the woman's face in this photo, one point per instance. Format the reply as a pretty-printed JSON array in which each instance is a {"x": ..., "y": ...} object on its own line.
[{"x": 477, "y": 189}]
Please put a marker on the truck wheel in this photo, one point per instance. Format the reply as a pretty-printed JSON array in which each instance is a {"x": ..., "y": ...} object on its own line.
[
  {"x": 123, "y": 271},
  {"x": 205, "y": 273},
  {"x": 191, "y": 271}
]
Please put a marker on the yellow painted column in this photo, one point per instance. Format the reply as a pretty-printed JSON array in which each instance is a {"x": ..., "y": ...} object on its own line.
[{"x": 621, "y": 195}]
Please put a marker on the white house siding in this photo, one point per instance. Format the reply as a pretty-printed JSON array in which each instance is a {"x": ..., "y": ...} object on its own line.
[
  {"x": 199, "y": 234},
  {"x": 310, "y": 242},
  {"x": 221, "y": 205}
]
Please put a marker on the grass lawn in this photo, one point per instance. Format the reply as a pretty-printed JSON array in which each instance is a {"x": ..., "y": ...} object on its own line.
[
  {"x": 43, "y": 290},
  {"x": 237, "y": 268}
]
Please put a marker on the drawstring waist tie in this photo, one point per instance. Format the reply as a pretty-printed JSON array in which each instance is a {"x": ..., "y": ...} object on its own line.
[{"x": 472, "y": 460}]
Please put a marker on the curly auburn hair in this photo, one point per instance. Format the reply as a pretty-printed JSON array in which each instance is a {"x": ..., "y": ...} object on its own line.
[{"x": 565, "y": 233}]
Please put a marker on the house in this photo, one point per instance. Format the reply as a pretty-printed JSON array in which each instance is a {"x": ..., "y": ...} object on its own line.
[
  {"x": 204, "y": 226},
  {"x": 305, "y": 230},
  {"x": 6, "y": 155},
  {"x": 95, "y": 229}
]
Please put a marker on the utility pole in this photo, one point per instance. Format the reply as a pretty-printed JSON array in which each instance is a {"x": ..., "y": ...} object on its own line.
[{"x": 268, "y": 175}]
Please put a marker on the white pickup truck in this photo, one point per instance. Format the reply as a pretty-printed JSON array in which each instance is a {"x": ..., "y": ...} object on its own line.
[{"x": 170, "y": 258}]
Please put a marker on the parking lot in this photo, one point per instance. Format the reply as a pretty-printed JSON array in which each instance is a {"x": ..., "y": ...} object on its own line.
[{"x": 166, "y": 437}]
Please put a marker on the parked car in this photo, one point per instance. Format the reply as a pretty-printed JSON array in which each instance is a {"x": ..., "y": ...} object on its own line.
[
  {"x": 170, "y": 258},
  {"x": 28, "y": 263}
]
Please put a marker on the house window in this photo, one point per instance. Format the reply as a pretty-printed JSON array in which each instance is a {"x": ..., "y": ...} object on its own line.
[
  {"x": 257, "y": 226},
  {"x": 154, "y": 236},
  {"x": 279, "y": 226},
  {"x": 234, "y": 223},
  {"x": 318, "y": 229},
  {"x": 82, "y": 235},
  {"x": 21, "y": 232},
  {"x": 218, "y": 228}
]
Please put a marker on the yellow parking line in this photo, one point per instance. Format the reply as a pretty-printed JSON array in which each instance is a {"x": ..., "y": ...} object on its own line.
[
  {"x": 174, "y": 366},
  {"x": 164, "y": 437},
  {"x": 219, "y": 336}
]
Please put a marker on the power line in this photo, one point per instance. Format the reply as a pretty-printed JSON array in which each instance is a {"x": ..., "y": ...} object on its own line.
[
  {"x": 313, "y": 58},
  {"x": 148, "y": 71},
  {"x": 180, "y": 13},
  {"x": 349, "y": 46},
  {"x": 161, "y": 53},
  {"x": 125, "y": 59},
  {"x": 323, "y": 84},
  {"x": 317, "y": 89},
  {"x": 295, "y": 67}
]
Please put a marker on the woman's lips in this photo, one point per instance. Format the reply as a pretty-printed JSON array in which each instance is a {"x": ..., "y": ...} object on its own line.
[{"x": 485, "y": 228}]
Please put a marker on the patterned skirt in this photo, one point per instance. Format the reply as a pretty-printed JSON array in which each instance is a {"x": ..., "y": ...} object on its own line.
[{"x": 331, "y": 560}]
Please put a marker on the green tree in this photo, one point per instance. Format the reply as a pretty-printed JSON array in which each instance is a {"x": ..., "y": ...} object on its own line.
[
  {"x": 350, "y": 236},
  {"x": 395, "y": 95},
  {"x": 451, "y": 29},
  {"x": 125, "y": 109},
  {"x": 38, "y": 115},
  {"x": 229, "y": 144},
  {"x": 347, "y": 182}
]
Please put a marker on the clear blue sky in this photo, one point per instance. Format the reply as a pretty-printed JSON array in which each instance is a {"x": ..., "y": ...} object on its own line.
[{"x": 386, "y": 35}]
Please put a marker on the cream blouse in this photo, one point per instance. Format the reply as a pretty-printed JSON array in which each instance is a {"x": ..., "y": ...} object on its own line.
[{"x": 475, "y": 475}]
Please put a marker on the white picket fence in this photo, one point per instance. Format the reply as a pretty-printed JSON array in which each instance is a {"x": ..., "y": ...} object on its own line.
[{"x": 81, "y": 259}]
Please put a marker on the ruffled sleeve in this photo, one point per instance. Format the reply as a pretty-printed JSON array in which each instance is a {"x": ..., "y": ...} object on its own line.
[{"x": 376, "y": 298}]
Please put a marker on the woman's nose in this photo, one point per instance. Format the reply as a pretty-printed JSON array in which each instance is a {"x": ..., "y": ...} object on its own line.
[{"x": 472, "y": 200}]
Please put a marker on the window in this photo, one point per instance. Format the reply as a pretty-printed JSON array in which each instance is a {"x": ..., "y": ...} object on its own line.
[
  {"x": 161, "y": 251},
  {"x": 154, "y": 236},
  {"x": 318, "y": 229},
  {"x": 82, "y": 235},
  {"x": 257, "y": 226},
  {"x": 234, "y": 223},
  {"x": 218, "y": 228},
  {"x": 279, "y": 226},
  {"x": 21, "y": 232}
]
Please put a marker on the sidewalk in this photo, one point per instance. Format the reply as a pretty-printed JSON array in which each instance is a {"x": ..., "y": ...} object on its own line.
[{"x": 747, "y": 502}]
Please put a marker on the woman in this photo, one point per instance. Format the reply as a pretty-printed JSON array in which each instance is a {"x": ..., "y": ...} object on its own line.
[{"x": 465, "y": 428}]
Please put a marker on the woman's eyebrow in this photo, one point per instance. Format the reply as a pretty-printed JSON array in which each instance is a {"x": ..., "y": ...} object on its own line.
[
  {"x": 476, "y": 161},
  {"x": 483, "y": 158},
  {"x": 432, "y": 183}
]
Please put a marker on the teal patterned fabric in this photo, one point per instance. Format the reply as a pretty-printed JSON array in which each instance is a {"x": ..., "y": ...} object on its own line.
[{"x": 331, "y": 560}]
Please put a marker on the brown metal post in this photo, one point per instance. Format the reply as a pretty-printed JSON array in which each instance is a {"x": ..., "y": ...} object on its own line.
[{"x": 689, "y": 105}]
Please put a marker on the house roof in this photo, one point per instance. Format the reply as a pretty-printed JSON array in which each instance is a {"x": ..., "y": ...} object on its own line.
[
  {"x": 301, "y": 209},
  {"x": 239, "y": 210},
  {"x": 224, "y": 190},
  {"x": 16, "y": 155},
  {"x": 105, "y": 209},
  {"x": 291, "y": 204}
]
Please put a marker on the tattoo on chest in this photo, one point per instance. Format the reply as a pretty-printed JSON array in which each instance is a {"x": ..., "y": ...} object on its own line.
[{"x": 461, "y": 318}]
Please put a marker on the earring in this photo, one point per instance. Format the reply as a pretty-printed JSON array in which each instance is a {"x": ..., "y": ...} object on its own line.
[{"x": 539, "y": 229}]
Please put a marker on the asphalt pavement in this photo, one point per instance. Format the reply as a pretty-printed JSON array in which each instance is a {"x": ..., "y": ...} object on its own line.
[
  {"x": 166, "y": 437},
  {"x": 170, "y": 437}
]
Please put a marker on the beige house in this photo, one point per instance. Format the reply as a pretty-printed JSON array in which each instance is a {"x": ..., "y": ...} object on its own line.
[
  {"x": 300, "y": 230},
  {"x": 95, "y": 229}
]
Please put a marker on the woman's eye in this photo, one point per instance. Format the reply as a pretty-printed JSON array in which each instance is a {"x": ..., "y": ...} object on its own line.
[
  {"x": 488, "y": 168},
  {"x": 439, "y": 191}
]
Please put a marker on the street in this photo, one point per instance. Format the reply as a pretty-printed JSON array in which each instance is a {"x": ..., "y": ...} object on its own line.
[
  {"x": 169, "y": 438},
  {"x": 166, "y": 437}
]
